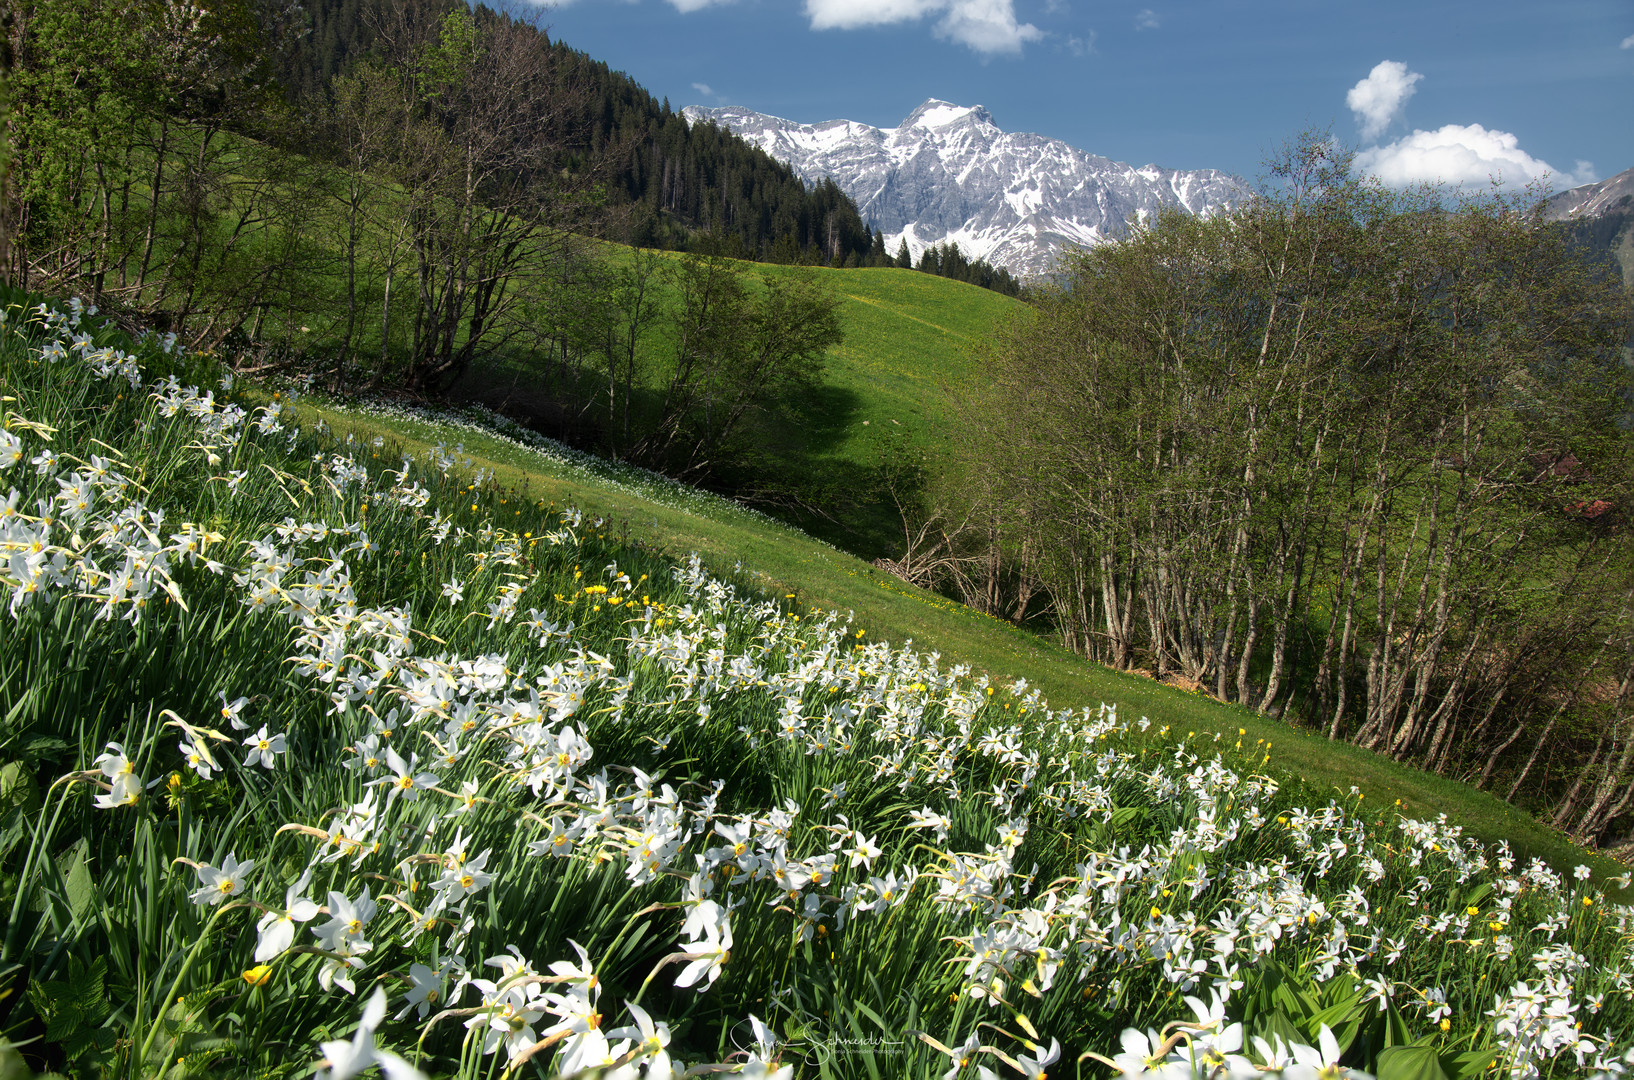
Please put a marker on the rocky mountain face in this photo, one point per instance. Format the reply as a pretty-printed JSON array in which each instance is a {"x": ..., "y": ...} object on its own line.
[
  {"x": 948, "y": 173},
  {"x": 1602, "y": 216},
  {"x": 1592, "y": 200}
]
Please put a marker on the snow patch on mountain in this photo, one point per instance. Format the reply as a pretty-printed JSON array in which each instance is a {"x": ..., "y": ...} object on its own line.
[{"x": 949, "y": 173}]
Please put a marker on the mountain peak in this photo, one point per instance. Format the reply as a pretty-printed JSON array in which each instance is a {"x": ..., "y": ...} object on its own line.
[
  {"x": 936, "y": 113},
  {"x": 948, "y": 173},
  {"x": 1591, "y": 200}
]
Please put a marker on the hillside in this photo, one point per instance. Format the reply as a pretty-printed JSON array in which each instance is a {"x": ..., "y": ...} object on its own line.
[
  {"x": 780, "y": 559},
  {"x": 887, "y": 400},
  {"x": 661, "y": 180},
  {"x": 1601, "y": 215},
  {"x": 483, "y": 725}
]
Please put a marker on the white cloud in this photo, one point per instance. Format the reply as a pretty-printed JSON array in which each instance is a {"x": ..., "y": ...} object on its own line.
[
  {"x": 1378, "y": 99},
  {"x": 1464, "y": 156},
  {"x": 704, "y": 89},
  {"x": 987, "y": 26},
  {"x": 1080, "y": 46},
  {"x": 851, "y": 14},
  {"x": 1628, "y": 42},
  {"x": 689, "y": 6},
  {"x": 1146, "y": 19}
]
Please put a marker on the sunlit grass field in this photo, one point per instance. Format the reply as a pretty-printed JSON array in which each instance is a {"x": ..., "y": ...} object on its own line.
[
  {"x": 890, "y": 393},
  {"x": 339, "y": 740},
  {"x": 681, "y": 520}
]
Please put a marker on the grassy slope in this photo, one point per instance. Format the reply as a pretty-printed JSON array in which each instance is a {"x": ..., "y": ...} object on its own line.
[
  {"x": 909, "y": 340},
  {"x": 782, "y": 559}
]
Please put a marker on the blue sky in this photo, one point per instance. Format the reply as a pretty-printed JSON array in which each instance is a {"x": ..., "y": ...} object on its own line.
[{"x": 1423, "y": 88}]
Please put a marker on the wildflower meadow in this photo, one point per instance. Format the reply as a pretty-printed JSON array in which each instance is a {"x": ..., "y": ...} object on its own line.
[{"x": 321, "y": 758}]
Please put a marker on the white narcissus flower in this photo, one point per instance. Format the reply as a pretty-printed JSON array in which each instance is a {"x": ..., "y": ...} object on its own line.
[
  {"x": 346, "y": 1059},
  {"x": 760, "y": 1065},
  {"x": 404, "y": 781},
  {"x": 276, "y": 930},
  {"x": 930, "y": 819},
  {"x": 337, "y": 970},
  {"x": 591, "y": 1052},
  {"x": 1318, "y": 1063},
  {"x": 426, "y": 993},
  {"x": 114, "y": 762},
  {"x": 460, "y": 881},
  {"x": 711, "y": 951},
  {"x": 124, "y": 790},
  {"x": 263, "y": 748},
  {"x": 198, "y": 759},
  {"x": 348, "y": 919},
  {"x": 217, "y": 885},
  {"x": 1033, "y": 1068},
  {"x": 963, "y": 1056},
  {"x": 230, "y": 711},
  {"x": 11, "y": 450},
  {"x": 863, "y": 851},
  {"x": 1141, "y": 1055},
  {"x": 652, "y": 1038}
]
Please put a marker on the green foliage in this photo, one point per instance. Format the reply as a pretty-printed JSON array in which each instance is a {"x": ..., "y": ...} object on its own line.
[
  {"x": 1347, "y": 454},
  {"x": 667, "y": 184},
  {"x": 946, "y": 260},
  {"x": 74, "y": 1010}
]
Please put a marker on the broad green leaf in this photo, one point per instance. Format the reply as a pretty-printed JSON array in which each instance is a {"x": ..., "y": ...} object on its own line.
[
  {"x": 1277, "y": 1024},
  {"x": 1410, "y": 1063},
  {"x": 12, "y": 1066},
  {"x": 1396, "y": 1032},
  {"x": 1471, "y": 1064},
  {"x": 17, "y": 787},
  {"x": 78, "y": 886}
]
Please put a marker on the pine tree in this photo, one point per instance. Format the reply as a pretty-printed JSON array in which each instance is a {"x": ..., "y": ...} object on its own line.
[
  {"x": 904, "y": 258},
  {"x": 786, "y": 250}
]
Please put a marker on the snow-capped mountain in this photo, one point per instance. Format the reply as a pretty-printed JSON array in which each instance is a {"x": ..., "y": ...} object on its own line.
[
  {"x": 948, "y": 172},
  {"x": 1592, "y": 200}
]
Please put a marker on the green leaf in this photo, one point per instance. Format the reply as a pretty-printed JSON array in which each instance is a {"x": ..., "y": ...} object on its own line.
[
  {"x": 79, "y": 888},
  {"x": 1410, "y": 1063},
  {"x": 1396, "y": 1032},
  {"x": 1125, "y": 815},
  {"x": 12, "y": 1066},
  {"x": 17, "y": 787},
  {"x": 1293, "y": 1000},
  {"x": 45, "y": 746},
  {"x": 1469, "y": 1065},
  {"x": 1277, "y": 1025},
  {"x": 86, "y": 987},
  {"x": 74, "y": 1007}
]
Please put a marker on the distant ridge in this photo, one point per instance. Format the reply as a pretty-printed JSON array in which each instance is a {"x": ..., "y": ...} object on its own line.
[
  {"x": 1592, "y": 200},
  {"x": 948, "y": 172},
  {"x": 1602, "y": 216}
]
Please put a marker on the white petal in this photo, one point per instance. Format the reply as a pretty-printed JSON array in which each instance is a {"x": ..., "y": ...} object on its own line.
[{"x": 274, "y": 940}]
